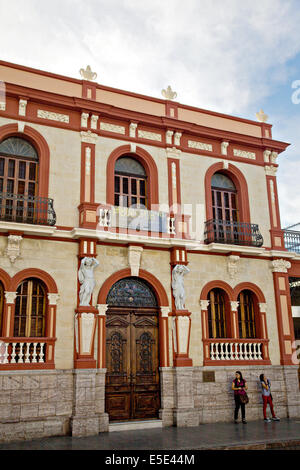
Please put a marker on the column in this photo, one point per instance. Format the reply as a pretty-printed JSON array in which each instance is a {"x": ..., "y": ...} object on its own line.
[
  {"x": 8, "y": 314},
  {"x": 88, "y": 207},
  {"x": 283, "y": 309},
  {"x": 51, "y": 325},
  {"x": 277, "y": 240},
  {"x": 264, "y": 330},
  {"x": 181, "y": 317},
  {"x": 205, "y": 333}
]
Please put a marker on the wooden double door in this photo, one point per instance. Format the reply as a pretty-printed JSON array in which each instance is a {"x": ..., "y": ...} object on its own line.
[{"x": 132, "y": 380}]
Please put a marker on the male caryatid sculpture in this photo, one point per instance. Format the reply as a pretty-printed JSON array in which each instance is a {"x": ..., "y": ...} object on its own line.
[
  {"x": 86, "y": 279},
  {"x": 179, "y": 271}
]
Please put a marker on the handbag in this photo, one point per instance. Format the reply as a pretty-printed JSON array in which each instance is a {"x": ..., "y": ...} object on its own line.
[{"x": 244, "y": 398}]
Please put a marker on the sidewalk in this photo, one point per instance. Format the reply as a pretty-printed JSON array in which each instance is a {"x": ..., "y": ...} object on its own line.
[{"x": 219, "y": 436}]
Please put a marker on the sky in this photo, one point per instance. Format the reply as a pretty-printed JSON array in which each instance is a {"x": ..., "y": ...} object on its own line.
[{"x": 229, "y": 56}]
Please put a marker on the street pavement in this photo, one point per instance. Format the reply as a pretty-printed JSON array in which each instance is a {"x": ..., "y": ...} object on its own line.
[{"x": 255, "y": 435}]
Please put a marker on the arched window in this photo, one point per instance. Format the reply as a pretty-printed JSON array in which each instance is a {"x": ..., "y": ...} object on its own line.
[
  {"x": 18, "y": 178},
  {"x": 218, "y": 311},
  {"x": 248, "y": 325},
  {"x": 30, "y": 309},
  {"x": 224, "y": 198},
  {"x": 130, "y": 183},
  {"x": 1, "y": 306}
]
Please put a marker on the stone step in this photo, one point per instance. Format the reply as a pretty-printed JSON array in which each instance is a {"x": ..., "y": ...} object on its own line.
[{"x": 133, "y": 425}]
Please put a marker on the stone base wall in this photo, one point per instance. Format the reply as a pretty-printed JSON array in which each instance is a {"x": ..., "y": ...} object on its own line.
[{"x": 37, "y": 404}]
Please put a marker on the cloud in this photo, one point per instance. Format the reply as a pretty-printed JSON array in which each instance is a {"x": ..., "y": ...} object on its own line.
[
  {"x": 224, "y": 55},
  {"x": 217, "y": 55}
]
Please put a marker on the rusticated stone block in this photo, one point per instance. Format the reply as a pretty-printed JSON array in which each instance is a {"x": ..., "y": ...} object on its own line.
[
  {"x": 85, "y": 426},
  {"x": 186, "y": 418}
]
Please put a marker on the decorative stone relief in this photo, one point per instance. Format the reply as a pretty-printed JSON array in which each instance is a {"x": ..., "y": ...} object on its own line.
[
  {"x": 271, "y": 170},
  {"x": 88, "y": 137},
  {"x": 204, "y": 304},
  {"x": 261, "y": 116},
  {"x": 94, "y": 121},
  {"x": 10, "y": 297},
  {"x": 232, "y": 265},
  {"x": 165, "y": 311},
  {"x": 53, "y": 116},
  {"x": 234, "y": 305},
  {"x": 262, "y": 307},
  {"x": 87, "y": 327},
  {"x": 22, "y": 107},
  {"x": 13, "y": 247},
  {"x": 21, "y": 126},
  {"x": 173, "y": 152},
  {"x": 104, "y": 126},
  {"x": 224, "y": 146},
  {"x": 174, "y": 176},
  {"x": 88, "y": 74},
  {"x": 88, "y": 152},
  {"x": 244, "y": 154},
  {"x": 169, "y": 136},
  {"x": 53, "y": 298},
  {"x": 102, "y": 308},
  {"x": 149, "y": 135},
  {"x": 183, "y": 334},
  {"x": 169, "y": 94},
  {"x": 132, "y": 129},
  {"x": 84, "y": 119},
  {"x": 267, "y": 154},
  {"x": 178, "y": 273},
  {"x": 280, "y": 266},
  {"x": 86, "y": 279},
  {"x": 134, "y": 259},
  {"x": 199, "y": 145},
  {"x": 273, "y": 157},
  {"x": 177, "y": 138}
]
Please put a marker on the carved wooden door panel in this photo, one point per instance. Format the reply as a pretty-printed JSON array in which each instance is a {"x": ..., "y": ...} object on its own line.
[{"x": 132, "y": 378}]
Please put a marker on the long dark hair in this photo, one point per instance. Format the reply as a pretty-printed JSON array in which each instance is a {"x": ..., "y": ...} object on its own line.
[{"x": 241, "y": 377}]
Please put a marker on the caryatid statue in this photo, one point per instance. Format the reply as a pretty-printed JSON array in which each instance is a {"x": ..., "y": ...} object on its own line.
[
  {"x": 179, "y": 271},
  {"x": 86, "y": 279}
]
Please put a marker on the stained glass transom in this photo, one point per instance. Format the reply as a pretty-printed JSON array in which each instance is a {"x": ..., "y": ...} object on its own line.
[
  {"x": 130, "y": 166},
  {"x": 17, "y": 147},
  {"x": 222, "y": 181},
  {"x": 131, "y": 292}
]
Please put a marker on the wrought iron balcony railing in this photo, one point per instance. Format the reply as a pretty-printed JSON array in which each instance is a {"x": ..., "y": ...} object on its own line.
[
  {"x": 27, "y": 209},
  {"x": 232, "y": 233},
  {"x": 292, "y": 240}
]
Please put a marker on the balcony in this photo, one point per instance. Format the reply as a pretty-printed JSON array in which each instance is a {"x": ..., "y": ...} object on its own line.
[
  {"x": 24, "y": 353},
  {"x": 235, "y": 350},
  {"x": 292, "y": 240},
  {"x": 232, "y": 233},
  {"x": 142, "y": 222},
  {"x": 27, "y": 209}
]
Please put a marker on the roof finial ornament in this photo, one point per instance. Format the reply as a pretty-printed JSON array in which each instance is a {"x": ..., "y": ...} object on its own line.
[
  {"x": 169, "y": 94},
  {"x": 261, "y": 116},
  {"x": 88, "y": 74}
]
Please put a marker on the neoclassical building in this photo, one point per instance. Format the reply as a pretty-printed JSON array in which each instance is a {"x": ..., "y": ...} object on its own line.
[{"x": 142, "y": 260}]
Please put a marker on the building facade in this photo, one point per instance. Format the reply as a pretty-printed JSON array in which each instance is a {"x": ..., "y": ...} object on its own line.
[{"x": 142, "y": 260}]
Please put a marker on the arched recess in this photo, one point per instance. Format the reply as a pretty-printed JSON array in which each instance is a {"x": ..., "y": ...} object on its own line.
[
  {"x": 5, "y": 279},
  {"x": 148, "y": 163},
  {"x": 249, "y": 286},
  {"x": 38, "y": 141},
  {"x": 37, "y": 273},
  {"x": 240, "y": 183},
  {"x": 259, "y": 313},
  {"x": 158, "y": 288},
  {"x": 214, "y": 285}
]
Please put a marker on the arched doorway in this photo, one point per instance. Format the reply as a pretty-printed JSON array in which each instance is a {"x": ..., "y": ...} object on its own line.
[{"x": 132, "y": 351}]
